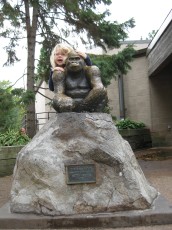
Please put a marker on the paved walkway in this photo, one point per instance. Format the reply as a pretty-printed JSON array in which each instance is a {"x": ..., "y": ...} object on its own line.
[{"x": 158, "y": 173}]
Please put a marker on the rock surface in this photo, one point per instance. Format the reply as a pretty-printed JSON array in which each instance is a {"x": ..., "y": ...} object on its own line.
[{"x": 40, "y": 176}]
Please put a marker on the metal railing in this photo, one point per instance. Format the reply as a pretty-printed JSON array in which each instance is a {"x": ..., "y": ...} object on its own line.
[{"x": 42, "y": 118}]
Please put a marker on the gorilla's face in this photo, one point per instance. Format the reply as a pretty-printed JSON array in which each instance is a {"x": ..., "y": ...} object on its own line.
[{"x": 74, "y": 62}]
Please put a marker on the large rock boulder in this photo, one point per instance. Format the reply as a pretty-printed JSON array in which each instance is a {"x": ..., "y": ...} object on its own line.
[{"x": 105, "y": 177}]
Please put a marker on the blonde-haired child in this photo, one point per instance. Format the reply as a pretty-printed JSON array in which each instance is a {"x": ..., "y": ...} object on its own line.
[{"x": 58, "y": 58}]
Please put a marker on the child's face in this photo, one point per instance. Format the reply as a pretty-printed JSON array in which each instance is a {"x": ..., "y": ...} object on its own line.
[{"x": 60, "y": 57}]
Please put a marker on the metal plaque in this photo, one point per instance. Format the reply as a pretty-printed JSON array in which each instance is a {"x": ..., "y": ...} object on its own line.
[{"x": 81, "y": 174}]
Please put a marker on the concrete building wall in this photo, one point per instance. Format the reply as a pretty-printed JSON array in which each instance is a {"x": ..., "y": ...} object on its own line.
[
  {"x": 136, "y": 87},
  {"x": 136, "y": 93},
  {"x": 40, "y": 108},
  {"x": 113, "y": 96},
  {"x": 43, "y": 108}
]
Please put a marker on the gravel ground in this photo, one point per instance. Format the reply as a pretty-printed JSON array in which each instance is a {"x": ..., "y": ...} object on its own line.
[
  {"x": 5, "y": 187},
  {"x": 158, "y": 173}
]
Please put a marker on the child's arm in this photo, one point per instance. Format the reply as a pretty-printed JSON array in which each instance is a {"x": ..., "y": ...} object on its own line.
[
  {"x": 85, "y": 57},
  {"x": 88, "y": 61}
]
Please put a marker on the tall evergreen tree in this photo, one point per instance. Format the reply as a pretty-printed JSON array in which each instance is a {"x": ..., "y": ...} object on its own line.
[{"x": 53, "y": 21}]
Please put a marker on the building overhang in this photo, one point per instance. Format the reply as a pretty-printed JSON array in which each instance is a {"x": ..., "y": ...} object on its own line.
[{"x": 159, "y": 51}]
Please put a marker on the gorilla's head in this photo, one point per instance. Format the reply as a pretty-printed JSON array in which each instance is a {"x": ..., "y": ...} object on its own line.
[{"x": 74, "y": 63}]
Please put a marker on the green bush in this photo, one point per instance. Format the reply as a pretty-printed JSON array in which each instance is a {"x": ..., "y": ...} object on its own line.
[
  {"x": 12, "y": 138},
  {"x": 12, "y": 107},
  {"x": 129, "y": 124}
]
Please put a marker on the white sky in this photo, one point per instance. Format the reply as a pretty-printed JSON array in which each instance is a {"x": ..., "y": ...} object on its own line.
[{"x": 148, "y": 15}]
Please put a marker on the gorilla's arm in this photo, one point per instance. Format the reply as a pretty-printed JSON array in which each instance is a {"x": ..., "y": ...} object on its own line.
[
  {"x": 94, "y": 76},
  {"x": 61, "y": 102},
  {"x": 58, "y": 80},
  {"x": 98, "y": 93}
]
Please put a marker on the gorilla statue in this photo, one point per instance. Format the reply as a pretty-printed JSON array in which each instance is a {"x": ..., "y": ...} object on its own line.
[{"x": 79, "y": 88}]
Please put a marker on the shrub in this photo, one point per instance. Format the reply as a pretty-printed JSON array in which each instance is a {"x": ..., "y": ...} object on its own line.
[
  {"x": 13, "y": 137},
  {"x": 129, "y": 124}
]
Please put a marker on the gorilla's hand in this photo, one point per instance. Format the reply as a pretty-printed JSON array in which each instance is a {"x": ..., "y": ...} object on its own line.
[{"x": 62, "y": 103}]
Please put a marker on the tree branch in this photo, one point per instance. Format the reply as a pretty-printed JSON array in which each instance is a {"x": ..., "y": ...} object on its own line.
[{"x": 44, "y": 95}]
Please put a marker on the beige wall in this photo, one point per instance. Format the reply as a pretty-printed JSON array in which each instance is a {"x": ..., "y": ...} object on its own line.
[
  {"x": 113, "y": 96},
  {"x": 136, "y": 93},
  {"x": 42, "y": 105}
]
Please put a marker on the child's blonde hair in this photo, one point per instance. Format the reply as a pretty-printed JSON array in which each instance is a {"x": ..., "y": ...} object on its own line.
[{"x": 61, "y": 47}]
